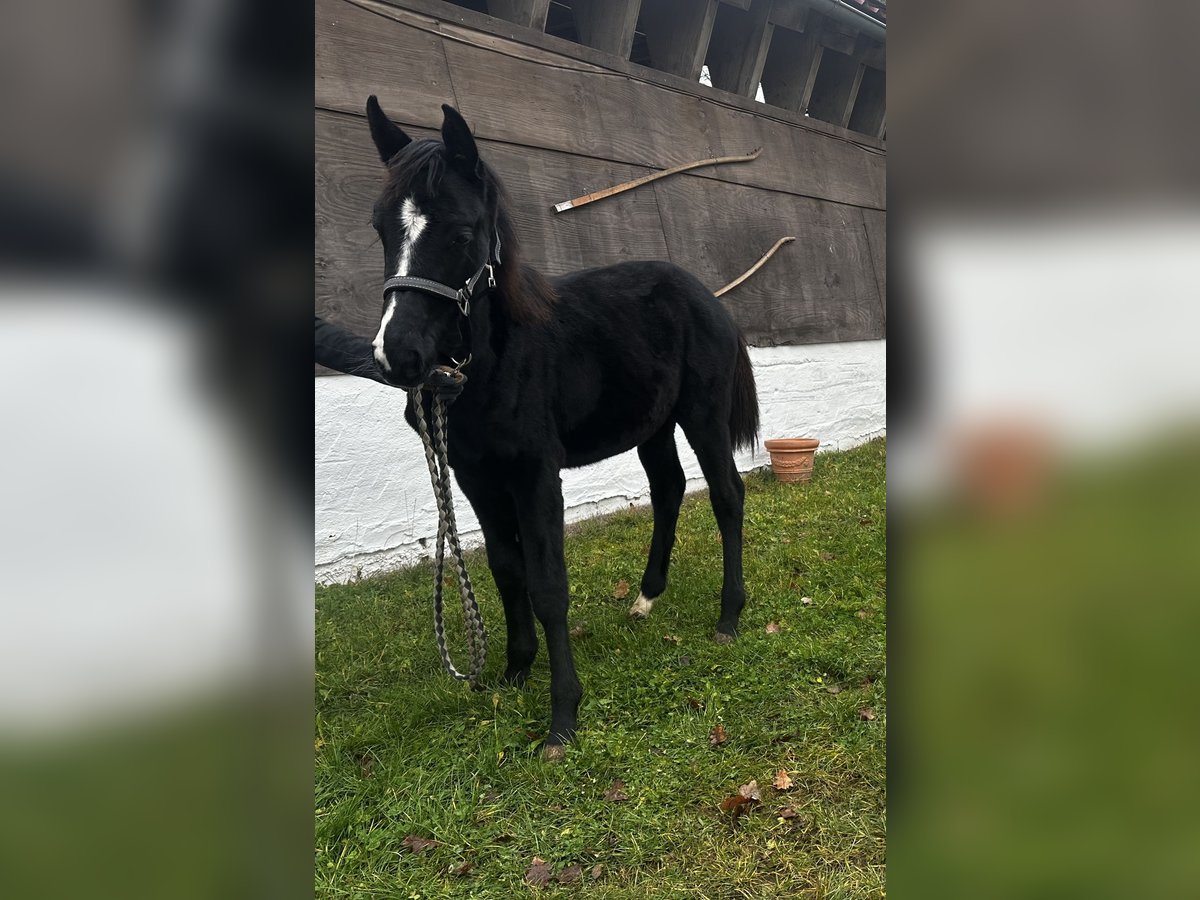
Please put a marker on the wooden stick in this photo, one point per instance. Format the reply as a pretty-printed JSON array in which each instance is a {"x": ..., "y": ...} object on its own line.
[
  {"x": 754, "y": 268},
  {"x": 646, "y": 179}
]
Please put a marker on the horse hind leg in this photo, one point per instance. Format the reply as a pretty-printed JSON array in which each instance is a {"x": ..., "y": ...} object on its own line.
[
  {"x": 714, "y": 450},
  {"x": 660, "y": 459}
]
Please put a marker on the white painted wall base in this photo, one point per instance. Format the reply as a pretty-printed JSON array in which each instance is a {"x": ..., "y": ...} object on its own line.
[{"x": 375, "y": 509}]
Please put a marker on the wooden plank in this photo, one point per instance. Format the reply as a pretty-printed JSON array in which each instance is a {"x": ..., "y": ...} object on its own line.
[
  {"x": 837, "y": 81},
  {"x": 820, "y": 288},
  {"x": 677, "y": 33},
  {"x": 875, "y": 225},
  {"x": 851, "y": 96},
  {"x": 359, "y": 53},
  {"x": 349, "y": 259},
  {"x": 791, "y": 14},
  {"x": 791, "y": 68},
  {"x": 526, "y": 13},
  {"x": 738, "y": 48},
  {"x": 870, "y": 52},
  {"x": 467, "y": 25},
  {"x": 639, "y": 124},
  {"x": 870, "y": 105},
  {"x": 834, "y": 38},
  {"x": 607, "y": 25}
]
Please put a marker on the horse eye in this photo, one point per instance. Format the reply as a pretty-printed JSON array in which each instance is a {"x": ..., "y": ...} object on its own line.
[{"x": 461, "y": 240}]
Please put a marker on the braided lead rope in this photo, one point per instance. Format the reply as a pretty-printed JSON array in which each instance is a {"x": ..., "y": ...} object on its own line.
[
  {"x": 435, "y": 445},
  {"x": 476, "y": 633}
]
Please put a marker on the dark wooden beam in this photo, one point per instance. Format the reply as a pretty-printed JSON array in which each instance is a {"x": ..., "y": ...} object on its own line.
[
  {"x": 738, "y": 49},
  {"x": 833, "y": 38},
  {"x": 871, "y": 53},
  {"x": 607, "y": 25},
  {"x": 871, "y": 103},
  {"x": 791, "y": 68},
  {"x": 851, "y": 96},
  {"x": 791, "y": 14},
  {"x": 677, "y": 32},
  {"x": 835, "y": 88},
  {"x": 529, "y": 13}
]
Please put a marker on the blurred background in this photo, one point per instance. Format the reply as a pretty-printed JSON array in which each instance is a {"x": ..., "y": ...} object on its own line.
[
  {"x": 155, "y": 449},
  {"x": 1044, "y": 398}
]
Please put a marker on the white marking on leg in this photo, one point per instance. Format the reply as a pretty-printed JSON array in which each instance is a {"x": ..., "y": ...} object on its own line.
[
  {"x": 641, "y": 607},
  {"x": 378, "y": 342}
]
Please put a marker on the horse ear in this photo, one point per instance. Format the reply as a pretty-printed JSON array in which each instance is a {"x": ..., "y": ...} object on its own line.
[
  {"x": 389, "y": 137},
  {"x": 460, "y": 144}
]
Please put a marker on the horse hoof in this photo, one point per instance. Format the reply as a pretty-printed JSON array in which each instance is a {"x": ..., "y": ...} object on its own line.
[
  {"x": 722, "y": 638},
  {"x": 553, "y": 752},
  {"x": 641, "y": 608}
]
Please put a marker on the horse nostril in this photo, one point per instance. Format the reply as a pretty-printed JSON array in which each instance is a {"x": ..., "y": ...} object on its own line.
[{"x": 407, "y": 366}]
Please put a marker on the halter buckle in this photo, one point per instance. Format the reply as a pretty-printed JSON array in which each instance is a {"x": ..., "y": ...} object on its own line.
[
  {"x": 464, "y": 303},
  {"x": 491, "y": 275}
]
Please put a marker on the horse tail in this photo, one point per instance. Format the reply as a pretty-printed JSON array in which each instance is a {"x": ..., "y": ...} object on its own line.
[{"x": 743, "y": 414}]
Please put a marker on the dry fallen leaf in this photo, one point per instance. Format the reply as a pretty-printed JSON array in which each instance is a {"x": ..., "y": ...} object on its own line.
[
  {"x": 828, "y": 556},
  {"x": 418, "y": 844},
  {"x": 748, "y": 795},
  {"x": 672, "y": 638},
  {"x": 787, "y": 813},
  {"x": 621, "y": 591},
  {"x": 539, "y": 872},
  {"x": 867, "y": 714},
  {"x": 694, "y": 703},
  {"x": 862, "y": 613},
  {"x": 597, "y": 871},
  {"x": 461, "y": 869},
  {"x": 833, "y": 688},
  {"x": 717, "y": 736},
  {"x": 750, "y": 791},
  {"x": 569, "y": 874},
  {"x": 806, "y": 601},
  {"x": 737, "y": 804},
  {"x": 782, "y": 781},
  {"x": 616, "y": 792},
  {"x": 773, "y": 628},
  {"x": 579, "y": 631}
]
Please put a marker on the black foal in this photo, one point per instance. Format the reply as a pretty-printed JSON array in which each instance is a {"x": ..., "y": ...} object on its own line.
[{"x": 562, "y": 373}]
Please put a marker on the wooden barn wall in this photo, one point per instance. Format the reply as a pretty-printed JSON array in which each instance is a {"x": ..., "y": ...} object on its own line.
[{"x": 555, "y": 127}]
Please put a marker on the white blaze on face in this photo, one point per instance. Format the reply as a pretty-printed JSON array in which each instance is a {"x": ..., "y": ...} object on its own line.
[{"x": 414, "y": 223}]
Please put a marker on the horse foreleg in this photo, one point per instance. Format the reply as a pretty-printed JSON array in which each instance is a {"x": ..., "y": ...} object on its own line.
[
  {"x": 497, "y": 513},
  {"x": 540, "y": 517}
]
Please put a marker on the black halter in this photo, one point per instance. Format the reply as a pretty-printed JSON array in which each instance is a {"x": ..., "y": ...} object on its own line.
[{"x": 463, "y": 296}]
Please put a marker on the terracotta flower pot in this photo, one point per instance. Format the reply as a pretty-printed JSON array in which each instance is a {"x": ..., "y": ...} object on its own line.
[{"x": 792, "y": 458}]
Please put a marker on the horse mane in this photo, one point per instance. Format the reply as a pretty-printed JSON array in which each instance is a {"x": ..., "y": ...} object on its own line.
[{"x": 528, "y": 296}]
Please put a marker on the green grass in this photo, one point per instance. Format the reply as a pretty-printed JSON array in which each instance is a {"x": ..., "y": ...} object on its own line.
[{"x": 402, "y": 750}]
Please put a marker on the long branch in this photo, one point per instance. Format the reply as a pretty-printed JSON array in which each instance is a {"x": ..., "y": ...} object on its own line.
[
  {"x": 754, "y": 268},
  {"x": 646, "y": 179}
]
